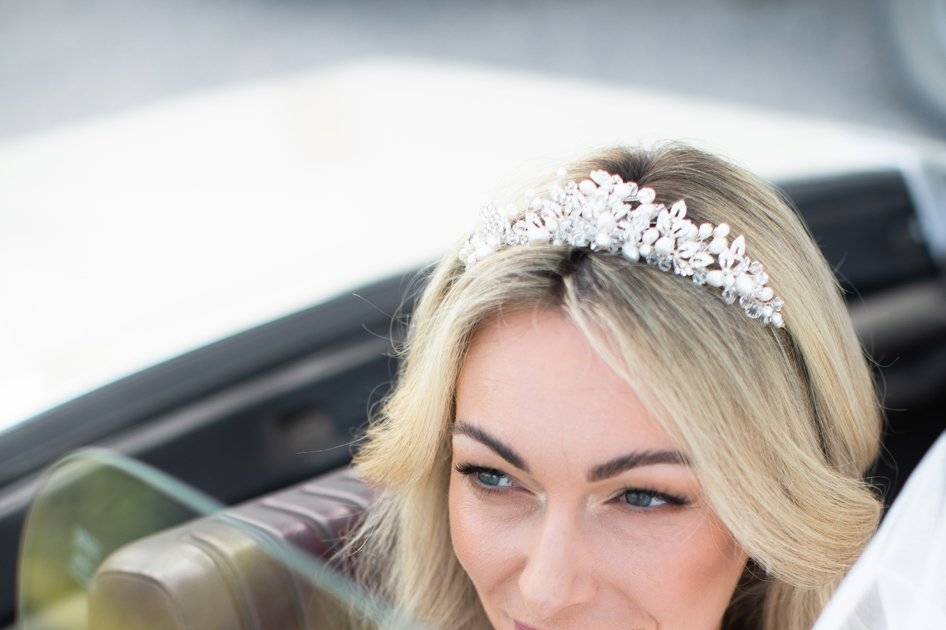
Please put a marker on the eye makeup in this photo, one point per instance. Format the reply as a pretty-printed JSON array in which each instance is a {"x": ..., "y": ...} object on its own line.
[
  {"x": 640, "y": 498},
  {"x": 475, "y": 476}
]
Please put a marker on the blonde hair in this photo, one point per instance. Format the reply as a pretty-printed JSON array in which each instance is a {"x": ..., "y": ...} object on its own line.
[{"x": 781, "y": 425}]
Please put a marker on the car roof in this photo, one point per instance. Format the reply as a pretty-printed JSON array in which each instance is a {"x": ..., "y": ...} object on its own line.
[{"x": 128, "y": 240}]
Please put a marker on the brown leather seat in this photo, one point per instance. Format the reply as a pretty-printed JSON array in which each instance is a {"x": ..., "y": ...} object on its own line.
[{"x": 212, "y": 574}]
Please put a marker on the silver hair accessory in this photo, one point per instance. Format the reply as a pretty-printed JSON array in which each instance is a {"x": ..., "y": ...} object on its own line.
[{"x": 597, "y": 213}]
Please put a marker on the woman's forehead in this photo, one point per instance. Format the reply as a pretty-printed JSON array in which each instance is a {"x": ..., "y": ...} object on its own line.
[{"x": 533, "y": 375}]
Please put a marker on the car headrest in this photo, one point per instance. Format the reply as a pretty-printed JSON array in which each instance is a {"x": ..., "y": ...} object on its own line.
[{"x": 208, "y": 574}]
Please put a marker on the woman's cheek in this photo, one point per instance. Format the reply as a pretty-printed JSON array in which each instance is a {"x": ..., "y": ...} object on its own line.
[
  {"x": 484, "y": 534},
  {"x": 678, "y": 568},
  {"x": 712, "y": 569}
]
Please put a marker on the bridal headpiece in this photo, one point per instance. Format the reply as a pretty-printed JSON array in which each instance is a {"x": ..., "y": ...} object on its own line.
[{"x": 598, "y": 213}]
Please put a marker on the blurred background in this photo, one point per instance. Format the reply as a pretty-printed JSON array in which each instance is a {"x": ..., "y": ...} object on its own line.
[
  {"x": 210, "y": 210},
  {"x": 153, "y": 153},
  {"x": 66, "y": 62}
]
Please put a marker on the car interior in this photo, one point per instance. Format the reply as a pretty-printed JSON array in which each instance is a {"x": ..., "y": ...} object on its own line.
[{"x": 266, "y": 421}]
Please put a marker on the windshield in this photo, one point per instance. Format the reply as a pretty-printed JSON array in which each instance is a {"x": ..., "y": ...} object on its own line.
[{"x": 111, "y": 543}]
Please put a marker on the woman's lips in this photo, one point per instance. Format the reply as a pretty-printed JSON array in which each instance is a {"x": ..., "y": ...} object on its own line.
[{"x": 522, "y": 626}]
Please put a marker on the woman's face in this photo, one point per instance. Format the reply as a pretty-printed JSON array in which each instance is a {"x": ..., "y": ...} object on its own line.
[{"x": 569, "y": 507}]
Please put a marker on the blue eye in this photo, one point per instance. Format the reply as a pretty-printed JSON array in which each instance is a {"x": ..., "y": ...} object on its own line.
[
  {"x": 492, "y": 478},
  {"x": 648, "y": 499},
  {"x": 643, "y": 498},
  {"x": 487, "y": 479}
]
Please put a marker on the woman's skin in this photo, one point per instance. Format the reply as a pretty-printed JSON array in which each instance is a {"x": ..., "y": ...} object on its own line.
[{"x": 559, "y": 532}]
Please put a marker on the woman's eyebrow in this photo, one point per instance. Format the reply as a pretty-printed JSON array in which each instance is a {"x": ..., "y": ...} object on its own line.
[
  {"x": 600, "y": 472},
  {"x": 481, "y": 436},
  {"x": 633, "y": 460}
]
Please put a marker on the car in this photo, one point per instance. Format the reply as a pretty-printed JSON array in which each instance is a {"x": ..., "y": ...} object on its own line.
[{"x": 328, "y": 205}]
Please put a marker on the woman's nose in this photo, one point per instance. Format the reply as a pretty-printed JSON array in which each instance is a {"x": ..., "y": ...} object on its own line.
[{"x": 557, "y": 573}]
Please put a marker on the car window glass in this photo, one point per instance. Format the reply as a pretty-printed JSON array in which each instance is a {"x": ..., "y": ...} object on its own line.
[{"x": 109, "y": 543}]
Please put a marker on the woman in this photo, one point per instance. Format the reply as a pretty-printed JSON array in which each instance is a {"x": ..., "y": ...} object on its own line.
[{"x": 584, "y": 434}]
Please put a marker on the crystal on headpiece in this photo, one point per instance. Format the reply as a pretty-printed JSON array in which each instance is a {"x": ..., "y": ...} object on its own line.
[{"x": 598, "y": 213}]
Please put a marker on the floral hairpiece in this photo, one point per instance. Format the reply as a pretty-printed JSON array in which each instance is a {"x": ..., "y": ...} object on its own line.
[{"x": 597, "y": 213}]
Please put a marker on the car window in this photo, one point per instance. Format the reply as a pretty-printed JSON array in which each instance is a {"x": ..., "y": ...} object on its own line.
[{"x": 104, "y": 539}]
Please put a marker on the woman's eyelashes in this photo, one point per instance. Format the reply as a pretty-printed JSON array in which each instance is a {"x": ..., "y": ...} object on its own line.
[
  {"x": 485, "y": 479},
  {"x": 648, "y": 499},
  {"x": 491, "y": 481}
]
